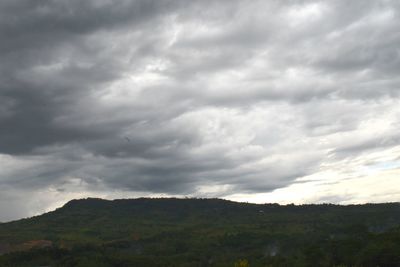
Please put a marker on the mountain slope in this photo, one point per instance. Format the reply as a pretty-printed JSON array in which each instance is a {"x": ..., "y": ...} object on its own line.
[{"x": 204, "y": 232}]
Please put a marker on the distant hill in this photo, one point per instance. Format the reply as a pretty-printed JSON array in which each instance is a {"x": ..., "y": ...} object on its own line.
[{"x": 203, "y": 232}]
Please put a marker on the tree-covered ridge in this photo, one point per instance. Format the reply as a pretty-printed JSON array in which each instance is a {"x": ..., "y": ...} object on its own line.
[{"x": 204, "y": 232}]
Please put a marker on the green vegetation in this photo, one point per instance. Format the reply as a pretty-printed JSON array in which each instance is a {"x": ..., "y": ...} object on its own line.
[{"x": 204, "y": 232}]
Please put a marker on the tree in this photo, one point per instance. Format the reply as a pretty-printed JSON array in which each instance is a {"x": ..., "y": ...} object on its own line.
[{"x": 242, "y": 263}]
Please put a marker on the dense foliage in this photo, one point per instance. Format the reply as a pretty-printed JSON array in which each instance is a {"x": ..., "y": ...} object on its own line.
[{"x": 204, "y": 232}]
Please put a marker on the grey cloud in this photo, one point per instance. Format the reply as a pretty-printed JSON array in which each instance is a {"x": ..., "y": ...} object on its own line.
[
  {"x": 173, "y": 96},
  {"x": 382, "y": 141}
]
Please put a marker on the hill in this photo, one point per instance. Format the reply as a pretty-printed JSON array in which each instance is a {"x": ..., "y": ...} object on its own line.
[{"x": 203, "y": 232}]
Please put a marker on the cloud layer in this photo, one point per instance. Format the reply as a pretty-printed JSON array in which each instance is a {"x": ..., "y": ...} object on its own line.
[{"x": 195, "y": 98}]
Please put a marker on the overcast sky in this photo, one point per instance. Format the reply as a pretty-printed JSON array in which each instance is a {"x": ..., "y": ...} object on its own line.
[{"x": 259, "y": 101}]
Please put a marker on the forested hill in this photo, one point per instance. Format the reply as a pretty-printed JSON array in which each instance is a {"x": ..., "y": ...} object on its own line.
[{"x": 203, "y": 232}]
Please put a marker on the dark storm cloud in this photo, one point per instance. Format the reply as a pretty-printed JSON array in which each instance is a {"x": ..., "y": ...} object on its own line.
[
  {"x": 48, "y": 65},
  {"x": 176, "y": 97}
]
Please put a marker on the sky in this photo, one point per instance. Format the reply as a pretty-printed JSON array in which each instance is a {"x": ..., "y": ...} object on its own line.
[{"x": 291, "y": 101}]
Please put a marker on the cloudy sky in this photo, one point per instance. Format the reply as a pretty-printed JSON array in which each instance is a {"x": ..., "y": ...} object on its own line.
[{"x": 259, "y": 101}]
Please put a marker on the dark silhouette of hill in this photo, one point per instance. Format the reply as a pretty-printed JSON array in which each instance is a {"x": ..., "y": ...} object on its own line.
[{"x": 203, "y": 232}]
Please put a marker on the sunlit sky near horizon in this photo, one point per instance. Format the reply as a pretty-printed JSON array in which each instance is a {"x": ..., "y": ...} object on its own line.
[{"x": 258, "y": 101}]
